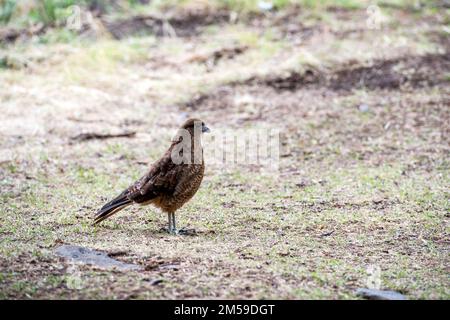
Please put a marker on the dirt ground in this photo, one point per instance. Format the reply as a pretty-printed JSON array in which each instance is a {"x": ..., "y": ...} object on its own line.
[{"x": 363, "y": 178}]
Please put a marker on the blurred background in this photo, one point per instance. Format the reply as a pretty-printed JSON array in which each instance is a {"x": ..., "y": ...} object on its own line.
[{"x": 92, "y": 91}]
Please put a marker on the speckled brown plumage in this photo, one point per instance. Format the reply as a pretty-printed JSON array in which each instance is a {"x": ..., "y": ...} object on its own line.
[{"x": 166, "y": 185}]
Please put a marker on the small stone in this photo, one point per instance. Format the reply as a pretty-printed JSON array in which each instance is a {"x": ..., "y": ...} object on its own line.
[
  {"x": 363, "y": 108},
  {"x": 265, "y": 5},
  {"x": 373, "y": 294},
  {"x": 154, "y": 282}
]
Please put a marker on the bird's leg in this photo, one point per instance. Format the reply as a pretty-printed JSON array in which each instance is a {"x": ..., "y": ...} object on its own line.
[
  {"x": 174, "y": 225},
  {"x": 171, "y": 229},
  {"x": 170, "y": 222}
]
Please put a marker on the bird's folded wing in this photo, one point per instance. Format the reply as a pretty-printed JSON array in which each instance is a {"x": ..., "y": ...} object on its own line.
[{"x": 161, "y": 179}]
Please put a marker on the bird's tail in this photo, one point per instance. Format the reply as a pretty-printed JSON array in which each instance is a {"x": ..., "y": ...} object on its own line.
[{"x": 112, "y": 207}]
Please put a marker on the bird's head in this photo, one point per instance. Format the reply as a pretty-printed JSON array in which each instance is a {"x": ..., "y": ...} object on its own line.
[
  {"x": 191, "y": 129},
  {"x": 193, "y": 123}
]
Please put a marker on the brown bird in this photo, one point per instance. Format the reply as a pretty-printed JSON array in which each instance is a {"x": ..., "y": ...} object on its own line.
[{"x": 171, "y": 181}]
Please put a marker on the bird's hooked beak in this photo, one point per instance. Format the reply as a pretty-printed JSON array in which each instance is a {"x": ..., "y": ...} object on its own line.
[{"x": 205, "y": 129}]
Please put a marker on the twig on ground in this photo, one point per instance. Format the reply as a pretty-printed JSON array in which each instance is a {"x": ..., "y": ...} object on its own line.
[
  {"x": 327, "y": 234},
  {"x": 100, "y": 136}
]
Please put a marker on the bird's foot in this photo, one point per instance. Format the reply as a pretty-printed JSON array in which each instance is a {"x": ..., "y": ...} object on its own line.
[
  {"x": 180, "y": 232},
  {"x": 187, "y": 232},
  {"x": 169, "y": 230}
]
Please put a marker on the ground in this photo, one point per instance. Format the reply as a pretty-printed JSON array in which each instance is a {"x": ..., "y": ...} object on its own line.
[{"x": 363, "y": 176}]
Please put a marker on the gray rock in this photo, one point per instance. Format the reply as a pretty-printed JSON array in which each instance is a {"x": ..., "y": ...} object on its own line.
[
  {"x": 363, "y": 108},
  {"x": 373, "y": 294},
  {"x": 92, "y": 257},
  {"x": 265, "y": 5}
]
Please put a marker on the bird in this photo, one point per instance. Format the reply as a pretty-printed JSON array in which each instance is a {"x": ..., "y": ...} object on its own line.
[{"x": 171, "y": 181}]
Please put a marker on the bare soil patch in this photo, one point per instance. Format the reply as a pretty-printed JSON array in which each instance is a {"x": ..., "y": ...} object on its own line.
[
  {"x": 414, "y": 72},
  {"x": 185, "y": 24}
]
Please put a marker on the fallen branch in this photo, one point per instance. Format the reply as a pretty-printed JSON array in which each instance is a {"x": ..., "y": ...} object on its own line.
[
  {"x": 327, "y": 234},
  {"x": 100, "y": 136}
]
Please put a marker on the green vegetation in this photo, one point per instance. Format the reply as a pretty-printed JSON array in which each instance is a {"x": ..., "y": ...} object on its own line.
[{"x": 55, "y": 12}]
